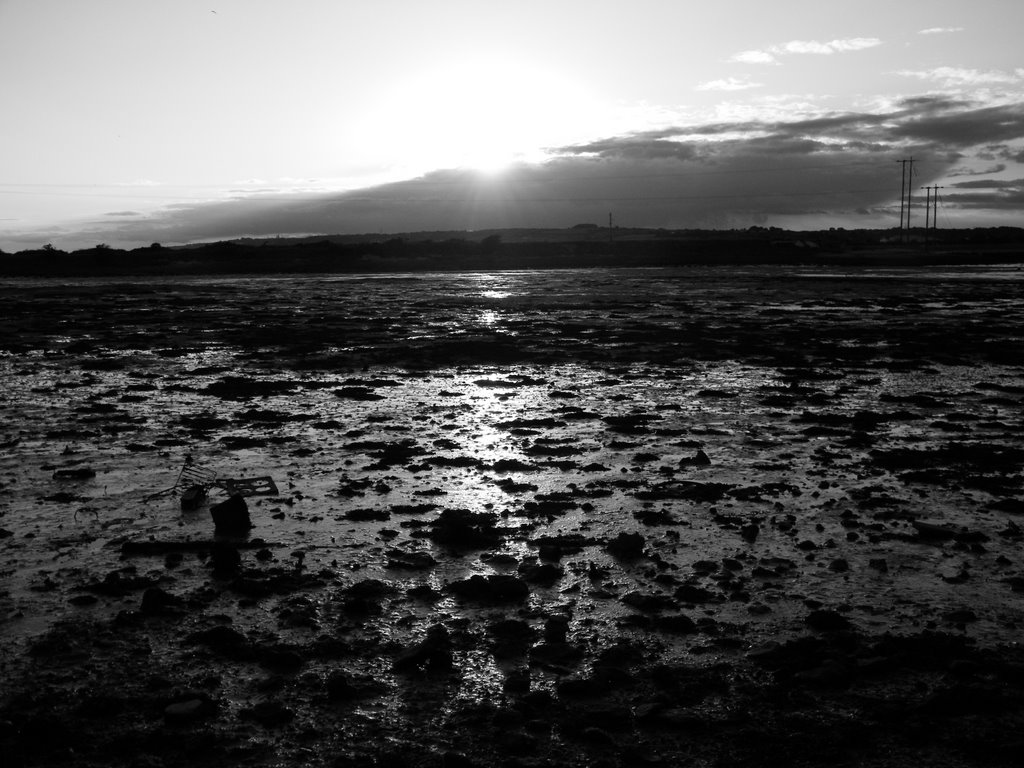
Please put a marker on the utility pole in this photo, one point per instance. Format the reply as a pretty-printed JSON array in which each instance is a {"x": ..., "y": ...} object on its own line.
[
  {"x": 935, "y": 203},
  {"x": 927, "y": 211},
  {"x": 931, "y": 206},
  {"x": 903, "y": 187},
  {"x": 910, "y": 186},
  {"x": 611, "y": 235},
  {"x": 905, "y": 196}
]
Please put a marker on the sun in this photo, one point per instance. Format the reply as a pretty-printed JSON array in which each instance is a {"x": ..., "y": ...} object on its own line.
[{"x": 479, "y": 110}]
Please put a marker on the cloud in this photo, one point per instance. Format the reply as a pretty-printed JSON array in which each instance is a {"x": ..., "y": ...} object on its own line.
[
  {"x": 966, "y": 128},
  {"x": 958, "y": 77},
  {"x": 990, "y": 184},
  {"x": 940, "y": 30},
  {"x": 754, "y": 57},
  {"x": 999, "y": 168},
  {"x": 831, "y": 169},
  {"x": 123, "y": 213},
  {"x": 771, "y": 54},
  {"x": 988, "y": 194},
  {"x": 728, "y": 84},
  {"x": 833, "y": 46},
  {"x": 1016, "y": 155}
]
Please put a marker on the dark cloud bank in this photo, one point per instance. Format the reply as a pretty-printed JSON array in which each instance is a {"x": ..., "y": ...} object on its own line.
[{"x": 832, "y": 169}]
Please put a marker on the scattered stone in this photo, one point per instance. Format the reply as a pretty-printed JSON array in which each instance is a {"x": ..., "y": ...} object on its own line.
[
  {"x": 825, "y": 620},
  {"x": 626, "y": 546},
  {"x": 699, "y": 459},
  {"x": 413, "y": 561},
  {"x": 433, "y": 653},
  {"x": 269, "y": 714},
  {"x": 357, "y": 393},
  {"x": 510, "y": 638},
  {"x": 688, "y": 593},
  {"x": 648, "y": 602},
  {"x": 367, "y": 596},
  {"x": 544, "y": 574},
  {"x": 157, "y": 601},
  {"x": 78, "y": 473},
  {"x": 463, "y": 528},
  {"x": 367, "y": 515},
  {"x": 495, "y": 588},
  {"x": 189, "y": 710}
]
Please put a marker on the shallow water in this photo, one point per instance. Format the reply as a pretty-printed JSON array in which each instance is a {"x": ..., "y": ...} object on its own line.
[
  {"x": 121, "y": 376},
  {"x": 837, "y": 409}
]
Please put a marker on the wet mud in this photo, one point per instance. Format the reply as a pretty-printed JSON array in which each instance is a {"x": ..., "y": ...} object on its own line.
[{"x": 590, "y": 518}]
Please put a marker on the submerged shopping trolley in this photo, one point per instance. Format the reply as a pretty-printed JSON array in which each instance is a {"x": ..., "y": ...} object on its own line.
[{"x": 194, "y": 482}]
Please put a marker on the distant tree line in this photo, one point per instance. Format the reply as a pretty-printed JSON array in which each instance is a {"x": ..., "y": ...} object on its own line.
[{"x": 518, "y": 249}]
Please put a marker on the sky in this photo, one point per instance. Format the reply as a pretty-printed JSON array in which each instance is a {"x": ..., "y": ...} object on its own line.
[{"x": 129, "y": 122}]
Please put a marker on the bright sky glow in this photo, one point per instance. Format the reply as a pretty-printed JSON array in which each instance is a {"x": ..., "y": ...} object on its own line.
[
  {"x": 130, "y": 122},
  {"x": 477, "y": 110}
]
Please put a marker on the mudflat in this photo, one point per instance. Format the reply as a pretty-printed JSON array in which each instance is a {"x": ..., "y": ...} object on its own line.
[{"x": 701, "y": 516}]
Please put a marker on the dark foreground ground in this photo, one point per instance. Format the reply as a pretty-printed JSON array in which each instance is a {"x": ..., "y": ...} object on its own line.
[{"x": 594, "y": 518}]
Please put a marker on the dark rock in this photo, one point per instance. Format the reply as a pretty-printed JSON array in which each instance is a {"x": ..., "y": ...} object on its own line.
[
  {"x": 621, "y": 655},
  {"x": 654, "y": 517},
  {"x": 457, "y": 760},
  {"x": 517, "y": 682},
  {"x": 962, "y": 616},
  {"x": 231, "y": 516},
  {"x": 121, "y": 582},
  {"x": 280, "y": 658},
  {"x": 340, "y": 688},
  {"x": 269, "y": 714},
  {"x": 648, "y": 602},
  {"x": 463, "y": 528},
  {"x": 627, "y": 546},
  {"x": 495, "y": 588},
  {"x": 365, "y": 515},
  {"x": 688, "y": 593},
  {"x": 700, "y": 459},
  {"x": 825, "y": 620},
  {"x": 78, "y": 473},
  {"x": 550, "y": 552},
  {"x": 357, "y": 393},
  {"x": 677, "y": 624},
  {"x": 367, "y": 596},
  {"x": 155, "y": 601},
  {"x": 583, "y": 687},
  {"x": 423, "y": 592},
  {"x": 413, "y": 561},
  {"x": 545, "y": 574},
  {"x": 558, "y": 655},
  {"x": 829, "y": 674},
  {"x": 189, "y": 710},
  {"x": 510, "y": 637},
  {"x": 750, "y": 532},
  {"x": 556, "y": 629},
  {"x": 434, "y": 652},
  {"x": 224, "y": 641}
]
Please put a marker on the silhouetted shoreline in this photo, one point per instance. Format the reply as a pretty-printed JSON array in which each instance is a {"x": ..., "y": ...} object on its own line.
[{"x": 576, "y": 247}]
